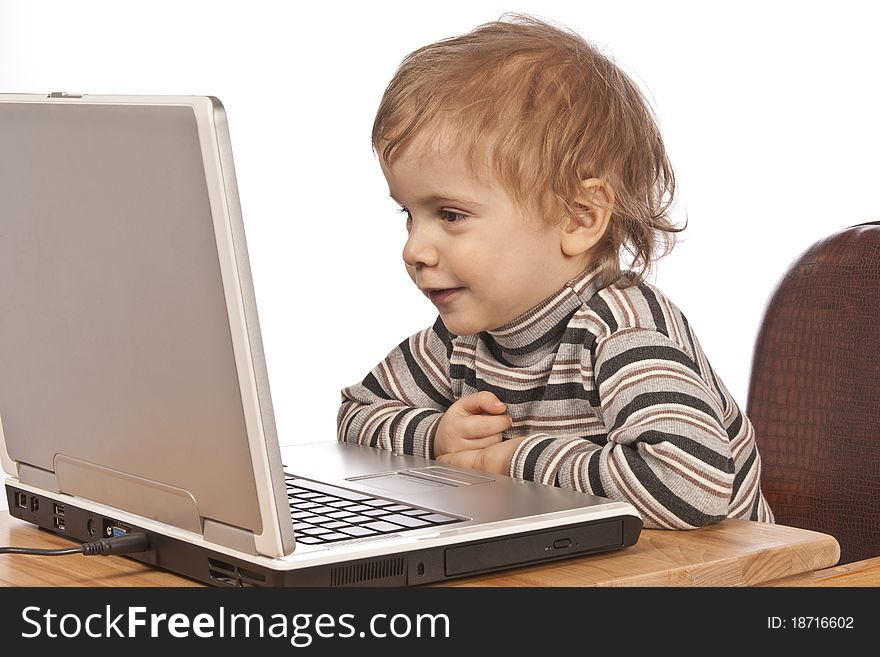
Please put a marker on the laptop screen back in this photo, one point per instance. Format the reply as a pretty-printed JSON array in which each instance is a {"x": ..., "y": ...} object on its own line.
[{"x": 118, "y": 372}]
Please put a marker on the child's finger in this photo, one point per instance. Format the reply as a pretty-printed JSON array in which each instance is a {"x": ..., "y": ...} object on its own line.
[
  {"x": 481, "y": 402},
  {"x": 481, "y": 426},
  {"x": 480, "y": 443},
  {"x": 465, "y": 458}
]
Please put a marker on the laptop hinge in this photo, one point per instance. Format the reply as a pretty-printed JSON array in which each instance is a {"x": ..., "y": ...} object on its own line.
[{"x": 235, "y": 538}]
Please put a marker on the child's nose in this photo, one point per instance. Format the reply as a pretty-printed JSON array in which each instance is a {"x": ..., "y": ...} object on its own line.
[{"x": 419, "y": 250}]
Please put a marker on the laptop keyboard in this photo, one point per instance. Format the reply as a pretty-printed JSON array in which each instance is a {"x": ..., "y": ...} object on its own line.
[{"x": 325, "y": 514}]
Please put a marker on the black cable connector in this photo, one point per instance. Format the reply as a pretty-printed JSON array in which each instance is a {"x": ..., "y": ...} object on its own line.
[{"x": 125, "y": 544}]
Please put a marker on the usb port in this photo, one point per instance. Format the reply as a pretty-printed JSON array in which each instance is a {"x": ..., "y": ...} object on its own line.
[
  {"x": 59, "y": 523},
  {"x": 58, "y": 509},
  {"x": 20, "y": 500},
  {"x": 35, "y": 504}
]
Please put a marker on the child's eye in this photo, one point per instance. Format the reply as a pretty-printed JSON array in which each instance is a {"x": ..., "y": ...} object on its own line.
[
  {"x": 447, "y": 216},
  {"x": 451, "y": 217}
]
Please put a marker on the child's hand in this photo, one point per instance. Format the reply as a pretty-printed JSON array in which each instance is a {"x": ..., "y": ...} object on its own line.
[
  {"x": 465, "y": 427},
  {"x": 494, "y": 459}
]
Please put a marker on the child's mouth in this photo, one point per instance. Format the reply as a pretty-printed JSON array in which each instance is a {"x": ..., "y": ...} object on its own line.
[{"x": 442, "y": 296}]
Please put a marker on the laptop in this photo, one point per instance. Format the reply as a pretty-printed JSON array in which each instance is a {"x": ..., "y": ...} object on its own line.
[{"x": 134, "y": 395}]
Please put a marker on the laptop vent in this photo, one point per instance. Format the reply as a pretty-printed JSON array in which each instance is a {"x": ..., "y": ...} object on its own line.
[
  {"x": 229, "y": 575},
  {"x": 379, "y": 571}
]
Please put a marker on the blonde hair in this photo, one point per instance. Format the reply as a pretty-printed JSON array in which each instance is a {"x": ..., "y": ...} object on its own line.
[{"x": 549, "y": 111}]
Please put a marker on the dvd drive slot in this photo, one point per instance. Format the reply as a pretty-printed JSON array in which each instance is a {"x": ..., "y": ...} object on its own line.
[{"x": 534, "y": 547}]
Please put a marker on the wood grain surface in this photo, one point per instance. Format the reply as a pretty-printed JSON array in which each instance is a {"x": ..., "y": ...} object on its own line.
[{"x": 858, "y": 573}]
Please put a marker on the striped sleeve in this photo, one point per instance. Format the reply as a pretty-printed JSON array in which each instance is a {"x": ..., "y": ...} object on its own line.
[
  {"x": 666, "y": 450},
  {"x": 399, "y": 404}
]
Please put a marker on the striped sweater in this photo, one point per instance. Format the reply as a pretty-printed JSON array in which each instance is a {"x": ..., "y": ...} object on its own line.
[{"x": 610, "y": 388}]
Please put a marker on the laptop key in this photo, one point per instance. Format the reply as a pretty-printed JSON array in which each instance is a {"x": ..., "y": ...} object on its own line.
[
  {"x": 322, "y": 510},
  {"x": 301, "y": 491},
  {"x": 406, "y": 521},
  {"x": 398, "y": 507},
  {"x": 376, "y": 512},
  {"x": 308, "y": 540},
  {"x": 359, "y": 508},
  {"x": 334, "y": 537},
  {"x": 305, "y": 494},
  {"x": 316, "y": 531},
  {"x": 339, "y": 514},
  {"x": 378, "y": 502},
  {"x": 438, "y": 518},
  {"x": 334, "y": 524},
  {"x": 359, "y": 519},
  {"x": 358, "y": 531},
  {"x": 332, "y": 490},
  {"x": 383, "y": 527}
]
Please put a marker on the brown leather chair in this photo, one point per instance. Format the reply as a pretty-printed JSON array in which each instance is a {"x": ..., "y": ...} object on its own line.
[{"x": 814, "y": 393}]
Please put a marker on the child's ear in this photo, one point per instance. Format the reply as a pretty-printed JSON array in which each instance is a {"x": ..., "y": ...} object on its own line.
[{"x": 593, "y": 206}]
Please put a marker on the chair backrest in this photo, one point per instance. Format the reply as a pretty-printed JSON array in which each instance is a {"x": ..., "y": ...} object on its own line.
[{"x": 814, "y": 392}]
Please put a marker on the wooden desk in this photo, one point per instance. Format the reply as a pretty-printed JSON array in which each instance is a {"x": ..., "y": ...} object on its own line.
[
  {"x": 859, "y": 573},
  {"x": 732, "y": 553}
]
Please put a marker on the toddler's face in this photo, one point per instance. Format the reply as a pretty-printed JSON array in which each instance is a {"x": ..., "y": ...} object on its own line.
[{"x": 473, "y": 251}]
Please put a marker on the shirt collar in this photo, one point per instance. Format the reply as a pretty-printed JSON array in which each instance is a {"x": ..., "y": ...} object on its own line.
[{"x": 537, "y": 331}]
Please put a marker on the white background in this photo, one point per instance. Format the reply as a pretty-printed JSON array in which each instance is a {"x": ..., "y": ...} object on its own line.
[{"x": 769, "y": 111}]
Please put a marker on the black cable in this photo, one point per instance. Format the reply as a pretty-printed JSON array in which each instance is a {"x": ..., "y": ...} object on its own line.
[
  {"x": 125, "y": 544},
  {"x": 45, "y": 553}
]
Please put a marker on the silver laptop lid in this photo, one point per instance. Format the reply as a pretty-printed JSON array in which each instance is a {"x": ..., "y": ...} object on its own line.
[{"x": 131, "y": 365}]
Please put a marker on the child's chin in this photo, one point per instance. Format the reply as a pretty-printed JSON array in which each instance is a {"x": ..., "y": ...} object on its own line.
[{"x": 458, "y": 327}]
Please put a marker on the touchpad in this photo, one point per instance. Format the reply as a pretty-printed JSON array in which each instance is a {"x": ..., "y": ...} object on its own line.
[
  {"x": 400, "y": 482},
  {"x": 420, "y": 480},
  {"x": 454, "y": 477}
]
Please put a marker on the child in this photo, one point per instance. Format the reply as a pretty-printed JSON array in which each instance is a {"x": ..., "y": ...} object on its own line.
[{"x": 524, "y": 162}]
